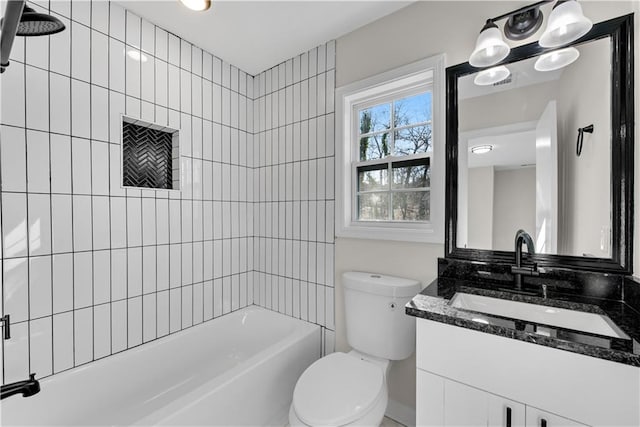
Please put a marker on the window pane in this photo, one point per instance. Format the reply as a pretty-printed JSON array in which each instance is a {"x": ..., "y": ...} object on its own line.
[
  {"x": 414, "y": 175},
  {"x": 413, "y": 140},
  {"x": 373, "y": 206},
  {"x": 412, "y": 110},
  {"x": 411, "y": 206},
  {"x": 375, "y": 119},
  {"x": 375, "y": 146},
  {"x": 373, "y": 179}
]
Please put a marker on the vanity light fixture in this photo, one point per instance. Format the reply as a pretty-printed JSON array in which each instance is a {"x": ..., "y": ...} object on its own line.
[
  {"x": 481, "y": 149},
  {"x": 490, "y": 48},
  {"x": 556, "y": 59},
  {"x": 566, "y": 24},
  {"x": 197, "y": 5},
  {"x": 492, "y": 75}
]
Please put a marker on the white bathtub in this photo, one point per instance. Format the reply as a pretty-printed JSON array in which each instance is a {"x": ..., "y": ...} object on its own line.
[{"x": 239, "y": 369}]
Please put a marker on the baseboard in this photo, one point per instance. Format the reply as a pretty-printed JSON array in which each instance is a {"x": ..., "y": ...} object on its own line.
[{"x": 401, "y": 413}]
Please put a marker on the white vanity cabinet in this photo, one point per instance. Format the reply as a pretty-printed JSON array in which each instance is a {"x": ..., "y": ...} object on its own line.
[
  {"x": 471, "y": 378},
  {"x": 462, "y": 405},
  {"x": 539, "y": 418}
]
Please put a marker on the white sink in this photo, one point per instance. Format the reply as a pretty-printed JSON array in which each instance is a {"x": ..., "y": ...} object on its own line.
[{"x": 560, "y": 317}]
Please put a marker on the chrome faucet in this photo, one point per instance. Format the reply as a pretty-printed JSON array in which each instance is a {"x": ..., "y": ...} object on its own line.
[
  {"x": 518, "y": 270},
  {"x": 27, "y": 388}
]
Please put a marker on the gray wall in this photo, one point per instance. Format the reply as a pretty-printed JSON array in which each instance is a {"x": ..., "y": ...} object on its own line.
[
  {"x": 480, "y": 210},
  {"x": 585, "y": 181},
  {"x": 514, "y": 205}
]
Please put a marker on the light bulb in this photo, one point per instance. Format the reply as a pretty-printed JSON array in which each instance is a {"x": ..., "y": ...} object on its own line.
[
  {"x": 137, "y": 56},
  {"x": 556, "y": 59},
  {"x": 197, "y": 5},
  {"x": 491, "y": 76}
]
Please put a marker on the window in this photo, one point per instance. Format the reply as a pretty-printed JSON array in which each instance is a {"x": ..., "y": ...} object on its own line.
[
  {"x": 390, "y": 165},
  {"x": 394, "y": 150}
]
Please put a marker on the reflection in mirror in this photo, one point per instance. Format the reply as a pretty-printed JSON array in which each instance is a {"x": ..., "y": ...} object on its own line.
[{"x": 518, "y": 167}]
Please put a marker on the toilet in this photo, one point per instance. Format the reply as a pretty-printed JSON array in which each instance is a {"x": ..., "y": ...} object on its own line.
[{"x": 351, "y": 388}]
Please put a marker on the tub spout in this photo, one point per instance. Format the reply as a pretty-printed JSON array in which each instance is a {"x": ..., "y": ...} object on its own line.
[{"x": 27, "y": 388}]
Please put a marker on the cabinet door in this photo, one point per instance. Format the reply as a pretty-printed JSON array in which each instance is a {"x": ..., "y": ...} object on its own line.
[
  {"x": 505, "y": 413},
  {"x": 539, "y": 418},
  {"x": 464, "y": 405},
  {"x": 429, "y": 399}
]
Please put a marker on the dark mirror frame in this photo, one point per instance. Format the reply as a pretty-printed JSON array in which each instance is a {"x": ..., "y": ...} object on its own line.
[{"x": 620, "y": 30}]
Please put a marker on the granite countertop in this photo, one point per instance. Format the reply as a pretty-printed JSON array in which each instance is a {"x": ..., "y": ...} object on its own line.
[{"x": 434, "y": 303}]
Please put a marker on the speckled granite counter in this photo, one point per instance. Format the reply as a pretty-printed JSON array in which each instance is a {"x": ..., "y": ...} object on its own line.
[{"x": 434, "y": 303}]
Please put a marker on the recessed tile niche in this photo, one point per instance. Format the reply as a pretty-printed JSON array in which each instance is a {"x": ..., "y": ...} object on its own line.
[{"x": 150, "y": 155}]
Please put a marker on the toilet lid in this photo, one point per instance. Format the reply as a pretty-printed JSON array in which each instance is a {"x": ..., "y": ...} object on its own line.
[{"x": 336, "y": 390}]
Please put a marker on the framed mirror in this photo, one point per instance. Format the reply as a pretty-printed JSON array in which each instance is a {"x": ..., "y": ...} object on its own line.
[{"x": 547, "y": 149}]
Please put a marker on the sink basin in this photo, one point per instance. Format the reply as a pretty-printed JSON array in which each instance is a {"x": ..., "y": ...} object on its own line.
[{"x": 592, "y": 323}]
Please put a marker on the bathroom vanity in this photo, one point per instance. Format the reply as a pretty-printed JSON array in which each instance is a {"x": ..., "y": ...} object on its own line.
[
  {"x": 551, "y": 337},
  {"x": 475, "y": 368}
]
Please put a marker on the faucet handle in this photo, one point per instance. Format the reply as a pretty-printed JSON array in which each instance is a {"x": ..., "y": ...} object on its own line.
[{"x": 525, "y": 271}]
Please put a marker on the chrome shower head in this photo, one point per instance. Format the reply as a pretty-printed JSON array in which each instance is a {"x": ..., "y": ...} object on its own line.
[{"x": 33, "y": 23}]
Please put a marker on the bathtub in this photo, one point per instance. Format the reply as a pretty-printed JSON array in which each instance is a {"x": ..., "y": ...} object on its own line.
[{"x": 239, "y": 369}]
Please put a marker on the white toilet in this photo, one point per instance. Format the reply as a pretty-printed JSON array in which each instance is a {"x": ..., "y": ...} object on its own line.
[{"x": 351, "y": 388}]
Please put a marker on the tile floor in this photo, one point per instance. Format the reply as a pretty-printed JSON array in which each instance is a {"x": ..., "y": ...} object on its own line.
[{"x": 388, "y": 422}]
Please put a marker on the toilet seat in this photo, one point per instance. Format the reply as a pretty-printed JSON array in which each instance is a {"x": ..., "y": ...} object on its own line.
[{"x": 337, "y": 390}]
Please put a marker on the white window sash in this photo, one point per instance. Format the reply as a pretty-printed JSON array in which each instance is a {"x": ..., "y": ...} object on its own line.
[{"x": 388, "y": 161}]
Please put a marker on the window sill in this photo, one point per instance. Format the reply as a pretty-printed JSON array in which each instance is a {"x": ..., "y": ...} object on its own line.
[{"x": 423, "y": 233}]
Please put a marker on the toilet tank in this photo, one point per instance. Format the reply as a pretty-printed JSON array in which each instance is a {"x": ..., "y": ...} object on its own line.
[{"x": 375, "y": 317}]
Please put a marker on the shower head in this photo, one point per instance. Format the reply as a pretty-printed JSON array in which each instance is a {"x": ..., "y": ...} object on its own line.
[
  {"x": 20, "y": 20},
  {"x": 33, "y": 23}
]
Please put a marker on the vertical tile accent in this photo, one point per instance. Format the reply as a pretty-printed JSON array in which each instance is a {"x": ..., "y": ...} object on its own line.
[{"x": 293, "y": 202}]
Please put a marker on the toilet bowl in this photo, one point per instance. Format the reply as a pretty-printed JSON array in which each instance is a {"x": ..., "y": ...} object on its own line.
[
  {"x": 349, "y": 389},
  {"x": 341, "y": 389}
]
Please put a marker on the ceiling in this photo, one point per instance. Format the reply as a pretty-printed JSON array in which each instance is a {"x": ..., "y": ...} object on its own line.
[
  {"x": 256, "y": 35},
  {"x": 511, "y": 150}
]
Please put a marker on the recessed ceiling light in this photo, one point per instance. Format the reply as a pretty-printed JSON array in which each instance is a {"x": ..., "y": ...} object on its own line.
[
  {"x": 491, "y": 76},
  {"x": 556, "y": 59},
  {"x": 197, "y": 5},
  {"x": 481, "y": 149},
  {"x": 137, "y": 56}
]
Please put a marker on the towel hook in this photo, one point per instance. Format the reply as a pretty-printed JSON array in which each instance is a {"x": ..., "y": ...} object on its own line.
[{"x": 581, "y": 131}]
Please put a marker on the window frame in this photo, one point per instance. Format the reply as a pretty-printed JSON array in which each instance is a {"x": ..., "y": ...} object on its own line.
[{"x": 395, "y": 84}]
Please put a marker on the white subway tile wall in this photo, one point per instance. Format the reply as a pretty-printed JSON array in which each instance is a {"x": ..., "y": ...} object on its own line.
[
  {"x": 293, "y": 214},
  {"x": 89, "y": 268}
]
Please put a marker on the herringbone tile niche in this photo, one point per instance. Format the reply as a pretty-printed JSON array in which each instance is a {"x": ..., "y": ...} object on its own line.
[{"x": 150, "y": 156}]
